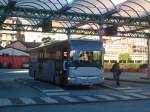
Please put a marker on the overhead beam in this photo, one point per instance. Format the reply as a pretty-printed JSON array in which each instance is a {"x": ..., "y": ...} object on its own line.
[
  {"x": 34, "y": 28},
  {"x": 43, "y": 14},
  {"x": 138, "y": 29},
  {"x": 105, "y": 15},
  {"x": 71, "y": 16},
  {"x": 126, "y": 21}
]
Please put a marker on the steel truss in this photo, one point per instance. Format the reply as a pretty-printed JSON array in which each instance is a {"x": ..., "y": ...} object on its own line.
[
  {"x": 37, "y": 14},
  {"x": 62, "y": 30},
  {"x": 69, "y": 16}
]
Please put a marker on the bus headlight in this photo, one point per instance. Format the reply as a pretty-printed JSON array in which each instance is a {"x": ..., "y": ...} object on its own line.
[{"x": 71, "y": 78}]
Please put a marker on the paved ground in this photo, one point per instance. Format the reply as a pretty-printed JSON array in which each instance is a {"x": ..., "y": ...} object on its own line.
[
  {"x": 35, "y": 92},
  {"x": 130, "y": 77},
  {"x": 18, "y": 91}
]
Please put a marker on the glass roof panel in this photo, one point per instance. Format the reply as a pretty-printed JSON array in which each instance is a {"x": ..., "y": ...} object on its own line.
[
  {"x": 84, "y": 9},
  {"x": 94, "y": 6},
  {"x": 129, "y": 12},
  {"x": 129, "y": 8},
  {"x": 138, "y": 7},
  {"x": 135, "y": 8},
  {"x": 42, "y": 4},
  {"x": 124, "y": 13}
]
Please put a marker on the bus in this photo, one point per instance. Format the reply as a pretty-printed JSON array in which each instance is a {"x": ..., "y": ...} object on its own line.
[{"x": 68, "y": 62}]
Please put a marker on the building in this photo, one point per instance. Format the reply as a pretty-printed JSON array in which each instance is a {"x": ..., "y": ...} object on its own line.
[
  {"x": 23, "y": 46},
  {"x": 135, "y": 47},
  {"x": 13, "y": 58}
]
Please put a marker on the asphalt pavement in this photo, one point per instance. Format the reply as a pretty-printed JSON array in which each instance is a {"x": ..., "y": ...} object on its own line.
[
  {"x": 130, "y": 77},
  {"x": 20, "y": 93}
]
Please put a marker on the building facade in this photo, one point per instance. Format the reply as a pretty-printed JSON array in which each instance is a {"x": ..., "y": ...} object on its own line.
[{"x": 135, "y": 47}]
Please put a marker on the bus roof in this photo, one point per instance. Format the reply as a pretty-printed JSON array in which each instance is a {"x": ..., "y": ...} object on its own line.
[
  {"x": 86, "y": 45},
  {"x": 77, "y": 44}
]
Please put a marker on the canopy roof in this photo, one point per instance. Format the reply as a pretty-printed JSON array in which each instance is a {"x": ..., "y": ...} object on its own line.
[{"x": 131, "y": 16}]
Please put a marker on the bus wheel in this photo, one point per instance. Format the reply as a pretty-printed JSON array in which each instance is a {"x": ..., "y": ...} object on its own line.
[
  {"x": 57, "y": 80},
  {"x": 64, "y": 80},
  {"x": 34, "y": 75}
]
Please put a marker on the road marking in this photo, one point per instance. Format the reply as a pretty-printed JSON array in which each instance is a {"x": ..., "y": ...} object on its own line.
[
  {"x": 73, "y": 99},
  {"x": 64, "y": 93},
  {"x": 70, "y": 99},
  {"x": 51, "y": 90},
  {"x": 122, "y": 88},
  {"x": 129, "y": 89},
  {"x": 138, "y": 95},
  {"x": 88, "y": 98},
  {"x": 5, "y": 102},
  {"x": 106, "y": 97},
  {"x": 27, "y": 100},
  {"x": 49, "y": 100},
  {"x": 134, "y": 90},
  {"x": 146, "y": 93},
  {"x": 121, "y": 96}
]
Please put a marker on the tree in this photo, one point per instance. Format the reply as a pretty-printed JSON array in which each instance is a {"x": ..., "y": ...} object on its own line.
[{"x": 124, "y": 57}]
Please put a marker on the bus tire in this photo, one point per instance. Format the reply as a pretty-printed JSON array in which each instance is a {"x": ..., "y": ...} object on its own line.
[
  {"x": 64, "y": 80},
  {"x": 34, "y": 75},
  {"x": 57, "y": 80}
]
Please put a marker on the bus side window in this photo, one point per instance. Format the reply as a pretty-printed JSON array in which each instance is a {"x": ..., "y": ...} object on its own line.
[{"x": 65, "y": 54}]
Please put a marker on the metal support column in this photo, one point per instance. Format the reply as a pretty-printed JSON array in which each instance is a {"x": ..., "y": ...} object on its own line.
[
  {"x": 148, "y": 71},
  {"x": 101, "y": 33},
  {"x": 68, "y": 34},
  {"x": 101, "y": 29}
]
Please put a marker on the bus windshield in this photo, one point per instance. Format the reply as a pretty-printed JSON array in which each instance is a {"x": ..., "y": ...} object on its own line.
[{"x": 85, "y": 58}]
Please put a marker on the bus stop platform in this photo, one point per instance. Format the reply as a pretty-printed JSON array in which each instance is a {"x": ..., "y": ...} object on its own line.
[{"x": 130, "y": 77}]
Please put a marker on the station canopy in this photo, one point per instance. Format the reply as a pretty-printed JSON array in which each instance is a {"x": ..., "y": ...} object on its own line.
[{"x": 129, "y": 18}]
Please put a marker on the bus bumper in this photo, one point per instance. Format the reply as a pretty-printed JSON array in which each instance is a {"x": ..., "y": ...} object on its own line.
[{"x": 85, "y": 81}]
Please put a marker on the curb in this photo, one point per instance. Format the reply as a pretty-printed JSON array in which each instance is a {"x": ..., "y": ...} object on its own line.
[{"x": 125, "y": 80}]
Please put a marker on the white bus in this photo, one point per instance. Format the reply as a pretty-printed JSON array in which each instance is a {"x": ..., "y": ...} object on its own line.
[{"x": 69, "y": 62}]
